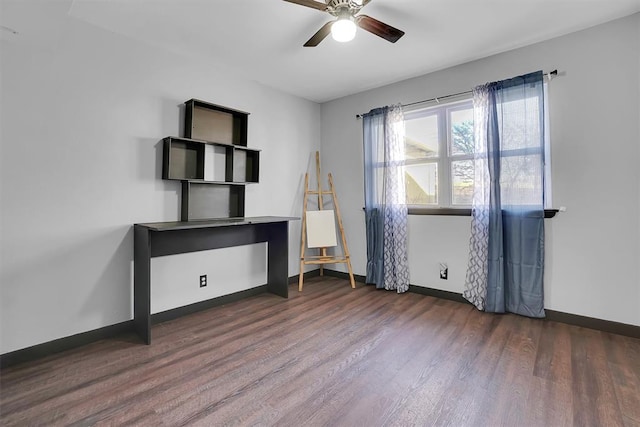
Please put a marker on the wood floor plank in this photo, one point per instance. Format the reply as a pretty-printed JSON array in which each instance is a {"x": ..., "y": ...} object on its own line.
[
  {"x": 553, "y": 358},
  {"x": 332, "y": 355},
  {"x": 549, "y": 403},
  {"x": 623, "y": 358},
  {"x": 594, "y": 399}
]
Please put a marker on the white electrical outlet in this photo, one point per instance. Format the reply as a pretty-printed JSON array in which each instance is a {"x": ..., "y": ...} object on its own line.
[{"x": 444, "y": 271}]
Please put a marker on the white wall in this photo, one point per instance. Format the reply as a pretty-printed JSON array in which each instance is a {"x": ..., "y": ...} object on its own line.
[
  {"x": 592, "y": 249},
  {"x": 83, "y": 114}
]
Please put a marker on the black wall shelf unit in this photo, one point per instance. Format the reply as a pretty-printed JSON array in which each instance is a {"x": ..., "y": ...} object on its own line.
[{"x": 212, "y": 161}]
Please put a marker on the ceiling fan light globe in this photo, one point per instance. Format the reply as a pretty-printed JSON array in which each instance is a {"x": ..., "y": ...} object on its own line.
[{"x": 343, "y": 30}]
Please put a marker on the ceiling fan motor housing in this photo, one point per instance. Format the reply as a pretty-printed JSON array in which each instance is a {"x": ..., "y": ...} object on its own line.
[{"x": 339, "y": 7}]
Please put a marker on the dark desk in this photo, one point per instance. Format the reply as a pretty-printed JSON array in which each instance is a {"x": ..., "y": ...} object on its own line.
[{"x": 170, "y": 238}]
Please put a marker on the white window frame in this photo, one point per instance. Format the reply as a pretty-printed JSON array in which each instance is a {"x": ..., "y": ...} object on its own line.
[
  {"x": 445, "y": 181},
  {"x": 445, "y": 157}
]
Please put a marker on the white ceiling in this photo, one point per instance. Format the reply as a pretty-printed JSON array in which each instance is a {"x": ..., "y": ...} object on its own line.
[{"x": 262, "y": 39}]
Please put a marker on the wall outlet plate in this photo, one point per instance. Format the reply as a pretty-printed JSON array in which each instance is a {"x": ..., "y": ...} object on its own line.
[{"x": 203, "y": 280}]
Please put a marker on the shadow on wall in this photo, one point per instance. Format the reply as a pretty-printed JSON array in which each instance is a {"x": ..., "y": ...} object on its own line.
[
  {"x": 116, "y": 275},
  {"x": 150, "y": 153},
  {"x": 172, "y": 189}
]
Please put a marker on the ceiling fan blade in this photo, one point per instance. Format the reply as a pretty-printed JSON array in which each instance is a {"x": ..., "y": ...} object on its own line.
[
  {"x": 310, "y": 3},
  {"x": 378, "y": 28},
  {"x": 320, "y": 35}
]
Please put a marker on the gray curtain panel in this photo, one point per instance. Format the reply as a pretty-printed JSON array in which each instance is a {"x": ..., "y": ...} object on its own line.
[
  {"x": 373, "y": 136},
  {"x": 385, "y": 201},
  {"x": 506, "y": 259}
]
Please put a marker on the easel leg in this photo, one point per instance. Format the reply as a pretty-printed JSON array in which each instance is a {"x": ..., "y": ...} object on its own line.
[
  {"x": 342, "y": 236},
  {"x": 351, "y": 279},
  {"x": 323, "y": 251},
  {"x": 301, "y": 279},
  {"x": 303, "y": 233}
]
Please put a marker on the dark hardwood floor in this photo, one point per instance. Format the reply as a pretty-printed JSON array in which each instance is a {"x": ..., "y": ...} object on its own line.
[{"x": 339, "y": 357}]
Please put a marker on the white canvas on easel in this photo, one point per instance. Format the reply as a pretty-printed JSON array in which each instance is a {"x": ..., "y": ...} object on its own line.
[{"x": 321, "y": 229}]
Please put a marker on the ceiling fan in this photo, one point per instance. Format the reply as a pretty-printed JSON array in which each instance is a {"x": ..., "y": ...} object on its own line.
[{"x": 344, "y": 27}]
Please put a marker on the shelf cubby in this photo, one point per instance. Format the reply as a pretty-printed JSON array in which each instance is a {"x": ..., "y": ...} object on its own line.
[
  {"x": 183, "y": 159},
  {"x": 215, "y": 123},
  {"x": 202, "y": 200},
  {"x": 245, "y": 165}
]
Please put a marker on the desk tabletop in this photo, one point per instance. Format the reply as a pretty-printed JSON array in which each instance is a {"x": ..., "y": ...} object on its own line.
[{"x": 218, "y": 222}]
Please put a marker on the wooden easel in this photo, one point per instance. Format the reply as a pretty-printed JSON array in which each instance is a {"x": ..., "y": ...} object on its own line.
[{"x": 323, "y": 258}]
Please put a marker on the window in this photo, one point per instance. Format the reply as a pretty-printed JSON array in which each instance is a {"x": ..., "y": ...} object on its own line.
[
  {"x": 439, "y": 155},
  {"x": 439, "y": 167}
]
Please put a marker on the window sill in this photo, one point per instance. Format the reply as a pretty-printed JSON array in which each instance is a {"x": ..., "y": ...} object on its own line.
[{"x": 548, "y": 213}]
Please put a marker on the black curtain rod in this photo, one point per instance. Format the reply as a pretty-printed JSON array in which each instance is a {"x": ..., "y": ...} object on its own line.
[{"x": 437, "y": 99}]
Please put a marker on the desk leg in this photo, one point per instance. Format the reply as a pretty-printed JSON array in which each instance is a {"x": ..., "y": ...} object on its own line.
[
  {"x": 278, "y": 259},
  {"x": 142, "y": 284}
]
